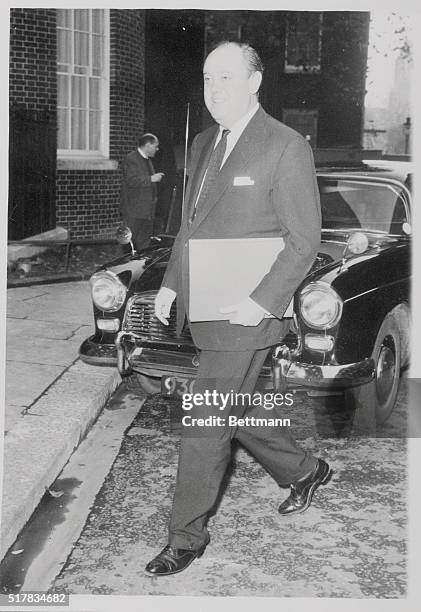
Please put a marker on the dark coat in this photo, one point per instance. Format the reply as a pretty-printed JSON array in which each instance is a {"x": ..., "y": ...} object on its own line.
[
  {"x": 138, "y": 193},
  {"x": 283, "y": 201}
]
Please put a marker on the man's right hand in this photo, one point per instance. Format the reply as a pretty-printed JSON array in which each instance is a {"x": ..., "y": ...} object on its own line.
[
  {"x": 163, "y": 302},
  {"x": 157, "y": 177}
]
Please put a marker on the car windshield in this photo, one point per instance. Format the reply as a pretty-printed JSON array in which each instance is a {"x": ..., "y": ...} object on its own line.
[{"x": 352, "y": 204}]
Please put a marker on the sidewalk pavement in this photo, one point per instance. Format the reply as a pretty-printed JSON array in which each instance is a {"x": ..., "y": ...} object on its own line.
[{"x": 52, "y": 397}]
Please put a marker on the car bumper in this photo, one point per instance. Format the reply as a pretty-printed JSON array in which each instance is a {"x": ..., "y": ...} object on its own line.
[
  {"x": 289, "y": 371},
  {"x": 98, "y": 354},
  {"x": 283, "y": 370},
  {"x": 141, "y": 356}
]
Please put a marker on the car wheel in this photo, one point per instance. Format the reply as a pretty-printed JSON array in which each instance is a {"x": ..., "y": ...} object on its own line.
[
  {"x": 140, "y": 382},
  {"x": 374, "y": 402}
]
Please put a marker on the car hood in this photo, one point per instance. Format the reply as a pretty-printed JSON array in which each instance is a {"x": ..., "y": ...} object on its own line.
[
  {"x": 351, "y": 273},
  {"x": 131, "y": 268},
  {"x": 333, "y": 251},
  {"x": 138, "y": 263}
]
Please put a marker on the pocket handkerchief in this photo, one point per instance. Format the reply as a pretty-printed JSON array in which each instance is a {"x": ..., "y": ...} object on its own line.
[{"x": 242, "y": 180}]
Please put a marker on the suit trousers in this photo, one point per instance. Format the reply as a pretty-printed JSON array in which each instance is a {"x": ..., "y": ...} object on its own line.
[{"x": 205, "y": 451}]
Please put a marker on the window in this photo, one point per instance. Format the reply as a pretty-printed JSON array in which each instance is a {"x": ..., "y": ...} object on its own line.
[
  {"x": 371, "y": 206},
  {"x": 82, "y": 82},
  {"x": 303, "y": 42}
]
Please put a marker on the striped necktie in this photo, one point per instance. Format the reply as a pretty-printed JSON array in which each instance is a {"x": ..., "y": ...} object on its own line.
[{"x": 212, "y": 172}]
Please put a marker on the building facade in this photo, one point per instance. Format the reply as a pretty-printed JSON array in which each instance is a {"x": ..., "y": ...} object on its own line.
[
  {"x": 399, "y": 109},
  {"x": 84, "y": 83},
  {"x": 76, "y": 107},
  {"x": 315, "y": 68}
]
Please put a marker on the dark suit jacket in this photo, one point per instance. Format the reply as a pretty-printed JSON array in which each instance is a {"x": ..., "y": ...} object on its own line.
[
  {"x": 283, "y": 201},
  {"x": 138, "y": 193}
]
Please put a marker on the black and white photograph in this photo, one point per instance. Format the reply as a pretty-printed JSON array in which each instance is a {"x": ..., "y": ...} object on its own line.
[{"x": 211, "y": 389}]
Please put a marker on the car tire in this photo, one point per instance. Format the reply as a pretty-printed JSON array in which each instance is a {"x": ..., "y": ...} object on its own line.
[
  {"x": 140, "y": 382},
  {"x": 373, "y": 402}
]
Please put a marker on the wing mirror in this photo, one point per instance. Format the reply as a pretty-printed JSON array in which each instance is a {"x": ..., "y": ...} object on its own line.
[
  {"x": 124, "y": 236},
  {"x": 356, "y": 244}
]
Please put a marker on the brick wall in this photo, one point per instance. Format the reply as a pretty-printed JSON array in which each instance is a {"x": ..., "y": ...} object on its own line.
[
  {"x": 88, "y": 200},
  {"x": 127, "y": 80},
  {"x": 32, "y": 83}
]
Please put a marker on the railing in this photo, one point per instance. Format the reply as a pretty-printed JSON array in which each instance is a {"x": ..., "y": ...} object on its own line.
[
  {"x": 171, "y": 228},
  {"x": 64, "y": 243}
]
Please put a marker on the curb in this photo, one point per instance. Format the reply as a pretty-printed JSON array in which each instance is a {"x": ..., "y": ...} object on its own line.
[
  {"x": 49, "y": 280},
  {"x": 37, "y": 448}
]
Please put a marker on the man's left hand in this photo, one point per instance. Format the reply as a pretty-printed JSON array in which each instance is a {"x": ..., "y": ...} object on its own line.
[{"x": 246, "y": 313}]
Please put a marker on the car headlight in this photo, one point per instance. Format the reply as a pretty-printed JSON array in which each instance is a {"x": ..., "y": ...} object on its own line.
[
  {"x": 320, "y": 305},
  {"x": 107, "y": 290}
]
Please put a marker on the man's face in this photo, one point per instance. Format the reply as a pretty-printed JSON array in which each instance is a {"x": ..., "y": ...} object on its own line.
[
  {"x": 229, "y": 90},
  {"x": 152, "y": 148}
]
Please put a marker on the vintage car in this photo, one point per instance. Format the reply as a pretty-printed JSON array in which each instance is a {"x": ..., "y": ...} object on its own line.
[{"x": 350, "y": 326}]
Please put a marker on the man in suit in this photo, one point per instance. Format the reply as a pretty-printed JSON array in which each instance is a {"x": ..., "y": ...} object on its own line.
[
  {"x": 139, "y": 190},
  {"x": 279, "y": 198}
]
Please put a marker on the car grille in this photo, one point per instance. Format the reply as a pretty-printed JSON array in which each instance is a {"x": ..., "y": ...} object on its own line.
[{"x": 140, "y": 319}]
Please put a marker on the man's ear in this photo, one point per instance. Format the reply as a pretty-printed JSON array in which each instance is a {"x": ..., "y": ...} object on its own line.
[{"x": 255, "y": 80}]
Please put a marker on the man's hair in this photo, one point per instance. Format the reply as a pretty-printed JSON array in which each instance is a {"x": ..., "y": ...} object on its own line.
[
  {"x": 143, "y": 140},
  {"x": 251, "y": 57}
]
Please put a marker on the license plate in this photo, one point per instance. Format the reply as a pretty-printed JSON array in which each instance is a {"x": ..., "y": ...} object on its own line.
[{"x": 176, "y": 386}]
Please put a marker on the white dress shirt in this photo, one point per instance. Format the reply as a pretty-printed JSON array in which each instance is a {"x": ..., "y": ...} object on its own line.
[
  {"x": 142, "y": 153},
  {"x": 235, "y": 131}
]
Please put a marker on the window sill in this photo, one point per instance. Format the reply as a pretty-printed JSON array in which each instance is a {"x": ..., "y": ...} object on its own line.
[{"x": 86, "y": 164}]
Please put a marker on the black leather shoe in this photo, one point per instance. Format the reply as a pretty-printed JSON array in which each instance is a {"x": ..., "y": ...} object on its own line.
[
  {"x": 172, "y": 560},
  {"x": 302, "y": 491}
]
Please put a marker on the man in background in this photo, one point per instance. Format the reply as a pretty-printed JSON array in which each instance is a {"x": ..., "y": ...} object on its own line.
[{"x": 139, "y": 190}]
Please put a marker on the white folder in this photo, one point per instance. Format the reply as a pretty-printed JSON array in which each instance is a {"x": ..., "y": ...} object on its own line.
[{"x": 226, "y": 271}]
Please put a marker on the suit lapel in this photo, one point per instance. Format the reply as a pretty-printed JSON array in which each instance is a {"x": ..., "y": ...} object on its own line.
[
  {"x": 143, "y": 163},
  {"x": 248, "y": 146},
  {"x": 199, "y": 172}
]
